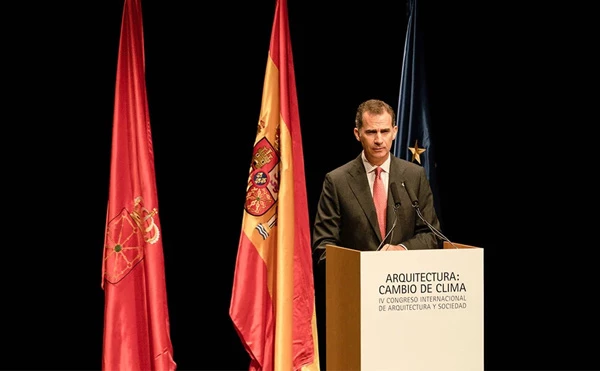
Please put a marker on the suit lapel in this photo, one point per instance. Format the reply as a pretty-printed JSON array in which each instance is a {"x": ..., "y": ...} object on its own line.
[{"x": 359, "y": 184}]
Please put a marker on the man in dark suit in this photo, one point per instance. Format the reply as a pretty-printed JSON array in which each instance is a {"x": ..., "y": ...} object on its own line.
[{"x": 346, "y": 214}]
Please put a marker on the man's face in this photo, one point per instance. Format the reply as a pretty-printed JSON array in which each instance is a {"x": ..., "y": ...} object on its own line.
[{"x": 376, "y": 136}]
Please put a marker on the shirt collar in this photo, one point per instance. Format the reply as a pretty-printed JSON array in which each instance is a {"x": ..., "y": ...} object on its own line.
[{"x": 369, "y": 167}]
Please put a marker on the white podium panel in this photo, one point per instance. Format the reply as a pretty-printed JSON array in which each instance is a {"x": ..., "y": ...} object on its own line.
[{"x": 418, "y": 310}]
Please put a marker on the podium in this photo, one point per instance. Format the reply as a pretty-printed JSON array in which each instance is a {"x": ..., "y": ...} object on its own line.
[{"x": 404, "y": 310}]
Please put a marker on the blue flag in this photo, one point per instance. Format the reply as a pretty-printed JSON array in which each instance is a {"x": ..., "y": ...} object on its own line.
[{"x": 414, "y": 142}]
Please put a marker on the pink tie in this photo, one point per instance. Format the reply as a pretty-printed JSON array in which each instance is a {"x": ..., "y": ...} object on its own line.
[{"x": 380, "y": 200}]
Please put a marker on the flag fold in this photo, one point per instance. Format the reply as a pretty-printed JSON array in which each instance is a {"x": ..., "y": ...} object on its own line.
[
  {"x": 272, "y": 303},
  {"x": 136, "y": 319},
  {"x": 414, "y": 142}
]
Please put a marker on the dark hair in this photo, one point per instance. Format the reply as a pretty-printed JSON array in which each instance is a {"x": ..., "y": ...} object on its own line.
[{"x": 376, "y": 107}]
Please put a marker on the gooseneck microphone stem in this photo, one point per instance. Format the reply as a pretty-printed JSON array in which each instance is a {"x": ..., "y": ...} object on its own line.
[
  {"x": 435, "y": 231},
  {"x": 391, "y": 229},
  {"x": 415, "y": 205}
]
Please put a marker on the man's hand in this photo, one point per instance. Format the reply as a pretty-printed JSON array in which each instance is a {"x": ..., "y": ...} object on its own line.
[{"x": 388, "y": 247}]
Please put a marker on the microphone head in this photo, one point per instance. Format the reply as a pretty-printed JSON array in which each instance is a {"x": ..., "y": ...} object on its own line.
[
  {"x": 411, "y": 196},
  {"x": 395, "y": 194}
]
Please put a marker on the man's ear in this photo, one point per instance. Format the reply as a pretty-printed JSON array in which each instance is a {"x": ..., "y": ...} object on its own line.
[{"x": 357, "y": 134}]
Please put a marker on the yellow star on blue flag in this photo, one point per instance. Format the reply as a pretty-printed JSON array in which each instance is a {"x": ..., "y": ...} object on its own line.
[{"x": 416, "y": 152}]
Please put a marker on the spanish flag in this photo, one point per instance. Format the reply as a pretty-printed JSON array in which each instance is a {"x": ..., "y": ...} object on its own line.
[
  {"x": 136, "y": 317},
  {"x": 273, "y": 299}
]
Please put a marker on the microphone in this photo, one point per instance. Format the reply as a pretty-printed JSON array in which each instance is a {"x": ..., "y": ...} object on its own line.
[
  {"x": 415, "y": 205},
  {"x": 396, "y": 197}
]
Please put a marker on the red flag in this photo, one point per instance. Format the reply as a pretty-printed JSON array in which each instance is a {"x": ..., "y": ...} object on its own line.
[
  {"x": 272, "y": 303},
  {"x": 136, "y": 319}
]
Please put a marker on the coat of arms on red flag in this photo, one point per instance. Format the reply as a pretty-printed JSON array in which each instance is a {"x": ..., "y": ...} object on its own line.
[{"x": 126, "y": 237}]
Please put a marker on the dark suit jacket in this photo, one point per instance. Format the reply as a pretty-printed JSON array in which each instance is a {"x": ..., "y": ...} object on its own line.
[{"x": 346, "y": 214}]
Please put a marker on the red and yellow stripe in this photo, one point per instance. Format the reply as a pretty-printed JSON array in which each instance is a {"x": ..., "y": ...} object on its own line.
[{"x": 272, "y": 304}]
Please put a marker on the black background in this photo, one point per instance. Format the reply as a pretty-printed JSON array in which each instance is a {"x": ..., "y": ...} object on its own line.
[{"x": 515, "y": 160}]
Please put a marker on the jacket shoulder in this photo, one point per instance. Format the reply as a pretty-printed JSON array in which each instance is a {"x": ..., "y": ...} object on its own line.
[
  {"x": 349, "y": 167},
  {"x": 404, "y": 166}
]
